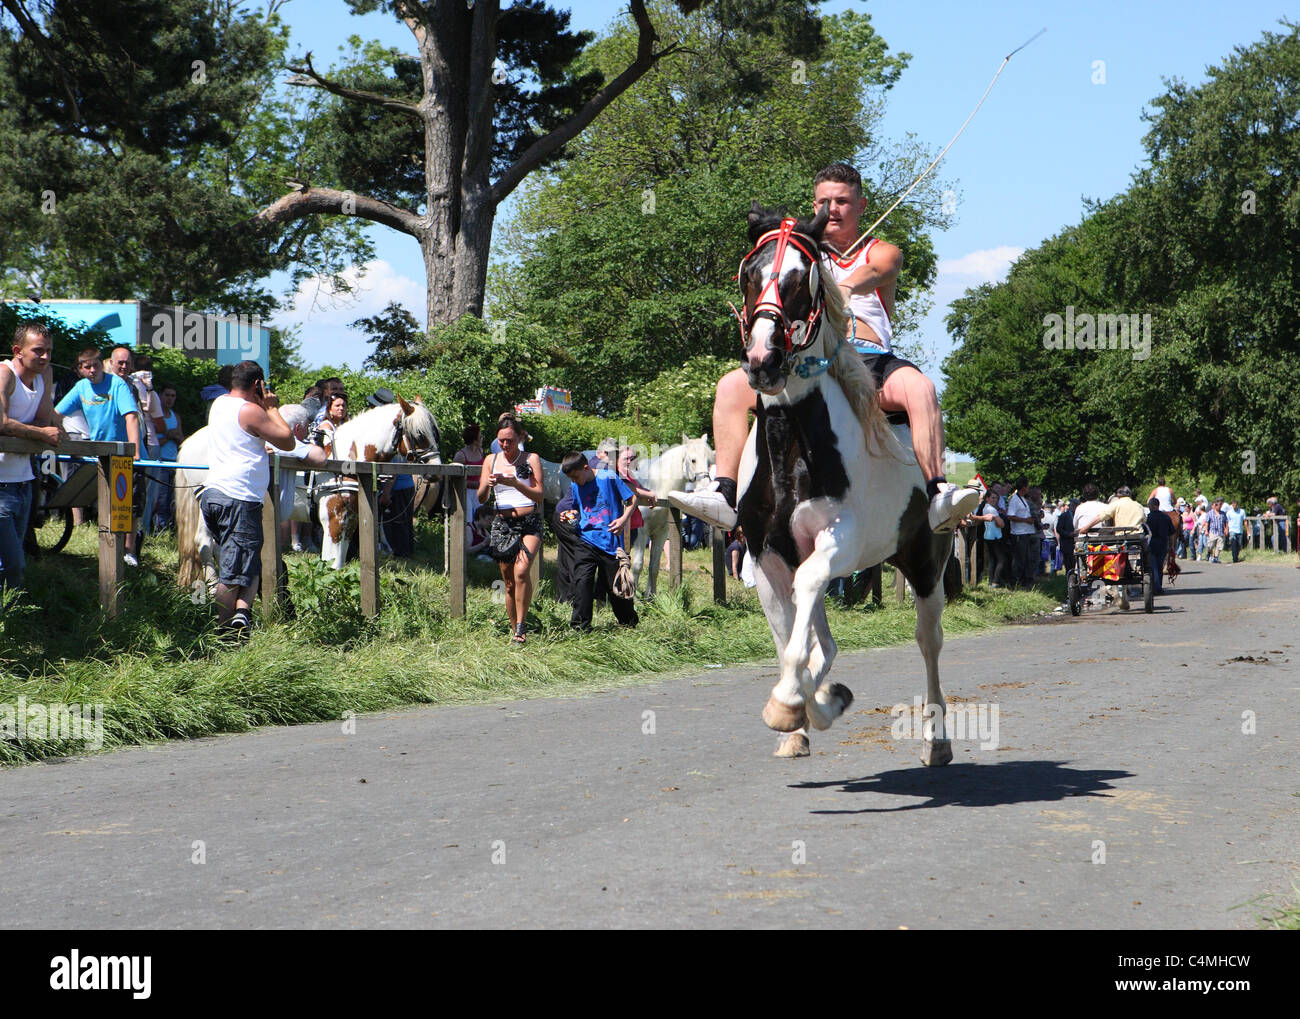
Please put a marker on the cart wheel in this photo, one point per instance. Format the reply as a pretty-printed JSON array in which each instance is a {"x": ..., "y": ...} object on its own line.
[
  {"x": 1148, "y": 594},
  {"x": 52, "y": 535},
  {"x": 1072, "y": 589}
]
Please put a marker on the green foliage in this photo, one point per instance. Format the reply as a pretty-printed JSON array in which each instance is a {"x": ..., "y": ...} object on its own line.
[
  {"x": 400, "y": 343},
  {"x": 679, "y": 400},
  {"x": 67, "y": 340},
  {"x": 1204, "y": 242},
  {"x": 326, "y": 601},
  {"x": 553, "y": 435},
  {"x": 147, "y": 188}
]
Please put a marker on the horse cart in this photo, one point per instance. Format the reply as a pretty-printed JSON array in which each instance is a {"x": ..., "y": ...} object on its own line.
[{"x": 1112, "y": 555}]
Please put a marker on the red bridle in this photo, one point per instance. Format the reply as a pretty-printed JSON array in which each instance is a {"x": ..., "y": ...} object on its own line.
[{"x": 771, "y": 307}]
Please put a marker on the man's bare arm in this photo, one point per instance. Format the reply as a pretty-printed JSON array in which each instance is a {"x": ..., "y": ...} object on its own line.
[{"x": 17, "y": 429}]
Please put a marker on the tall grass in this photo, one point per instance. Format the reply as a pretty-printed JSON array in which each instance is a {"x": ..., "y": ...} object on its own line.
[{"x": 162, "y": 672}]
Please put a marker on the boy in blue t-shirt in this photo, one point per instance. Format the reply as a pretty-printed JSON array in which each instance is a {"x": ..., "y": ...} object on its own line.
[
  {"x": 604, "y": 503},
  {"x": 105, "y": 400}
]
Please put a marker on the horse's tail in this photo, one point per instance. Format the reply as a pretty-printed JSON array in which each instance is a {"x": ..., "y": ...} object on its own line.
[
  {"x": 188, "y": 516},
  {"x": 860, "y": 390}
]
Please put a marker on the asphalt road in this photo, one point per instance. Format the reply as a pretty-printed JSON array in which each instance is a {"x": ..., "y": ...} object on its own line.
[{"x": 1118, "y": 732}]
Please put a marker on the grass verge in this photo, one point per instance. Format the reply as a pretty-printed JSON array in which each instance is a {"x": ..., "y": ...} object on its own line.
[{"x": 160, "y": 672}]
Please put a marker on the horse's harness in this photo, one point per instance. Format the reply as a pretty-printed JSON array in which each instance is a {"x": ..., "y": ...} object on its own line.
[{"x": 769, "y": 304}]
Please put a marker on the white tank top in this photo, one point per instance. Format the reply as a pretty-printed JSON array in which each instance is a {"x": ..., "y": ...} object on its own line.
[
  {"x": 238, "y": 464},
  {"x": 23, "y": 405},
  {"x": 505, "y": 496},
  {"x": 868, "y": 307}
]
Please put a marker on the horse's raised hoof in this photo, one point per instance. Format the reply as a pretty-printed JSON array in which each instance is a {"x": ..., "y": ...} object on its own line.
[
  {"x": 794, "y": 745},
  {"x": 782, "y": 717},
  {"x": 828, "y": 704},
  {"x": 936, "y": 753}
]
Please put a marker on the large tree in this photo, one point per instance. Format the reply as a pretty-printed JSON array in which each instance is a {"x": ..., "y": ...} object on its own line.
[{"x": 430, "y": 145}]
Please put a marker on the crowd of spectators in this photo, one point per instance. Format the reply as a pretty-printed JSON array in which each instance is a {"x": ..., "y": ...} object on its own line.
[{"x": 1026, "y": 536}]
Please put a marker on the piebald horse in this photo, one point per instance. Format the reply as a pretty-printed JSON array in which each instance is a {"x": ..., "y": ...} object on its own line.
[{"x": 826, "y": 486}]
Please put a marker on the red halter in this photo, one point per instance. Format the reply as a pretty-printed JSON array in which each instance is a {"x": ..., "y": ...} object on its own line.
[{"x": 771, "y": 307}]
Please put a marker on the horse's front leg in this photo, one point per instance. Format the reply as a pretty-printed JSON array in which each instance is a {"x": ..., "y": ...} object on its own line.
[
  {"x": 795, "y": 690},
  {"x": 774, "y": 581},
  {"x": 831, "y": 699}
]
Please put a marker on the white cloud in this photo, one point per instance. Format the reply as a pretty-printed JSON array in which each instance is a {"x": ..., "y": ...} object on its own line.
[
  {"x": 986, "y": 266},
  {"x": 325, "y": 316}
]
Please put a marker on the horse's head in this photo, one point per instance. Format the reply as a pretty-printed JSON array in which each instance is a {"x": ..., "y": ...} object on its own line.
[
  {"x": 781, "y": 283},
  {"x": 697, "y": 456},
  {"x": 418, "y": 431}
]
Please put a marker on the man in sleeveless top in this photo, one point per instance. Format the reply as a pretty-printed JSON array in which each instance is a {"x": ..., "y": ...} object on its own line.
[
  {"x": 26, "y": 412},
  {"x": 868, "y": 279},
  {"x": 240, "y": 425}
]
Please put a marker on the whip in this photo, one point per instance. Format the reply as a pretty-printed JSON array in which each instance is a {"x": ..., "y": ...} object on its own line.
[{"x": 867, "y": 233}]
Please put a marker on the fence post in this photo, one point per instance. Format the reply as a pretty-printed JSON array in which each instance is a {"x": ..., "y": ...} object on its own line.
[
  {"x": 111, "y": 544},
  {"x": 718, "y": 540},
  {"x": 456, "y": 543},
  {"x": 674, "y": 549},
  {"x": 368, "y": 538},
  {"x": 959, "y": 550},
  {"x": 900, "y": 585}
]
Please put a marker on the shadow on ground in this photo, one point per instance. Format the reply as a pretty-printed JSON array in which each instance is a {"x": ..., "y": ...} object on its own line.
[{"x": 972, "y": 785}]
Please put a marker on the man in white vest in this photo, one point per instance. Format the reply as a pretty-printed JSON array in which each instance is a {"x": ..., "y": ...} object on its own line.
[
  {"x": 240, "y": 425},
  {"x": 26, "y": 412}
]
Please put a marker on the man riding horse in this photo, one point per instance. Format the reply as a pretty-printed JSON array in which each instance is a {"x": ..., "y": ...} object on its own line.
[{"x": 868, "y": 280}]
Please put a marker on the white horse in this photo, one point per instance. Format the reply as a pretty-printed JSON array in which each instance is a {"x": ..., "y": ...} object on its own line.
[
  {"x": 826, "y": 487},
  {"x": 375, "y": 436},
  {"x": 667, "y": 472},
  {"x": 383, "y": 431}
]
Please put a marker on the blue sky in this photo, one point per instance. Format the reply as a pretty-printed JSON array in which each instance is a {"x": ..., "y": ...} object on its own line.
[{"x": 1046, "y": 138}]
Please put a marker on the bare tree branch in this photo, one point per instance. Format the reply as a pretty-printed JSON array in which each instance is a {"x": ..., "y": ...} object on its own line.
[
  {"x": 646, "y": 58},
  {"x": 312, "y": 201},
  {"x": 310, "y": 78}
]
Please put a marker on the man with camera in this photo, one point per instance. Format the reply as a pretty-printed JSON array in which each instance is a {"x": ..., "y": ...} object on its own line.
[{"x": 240, "y": 426}]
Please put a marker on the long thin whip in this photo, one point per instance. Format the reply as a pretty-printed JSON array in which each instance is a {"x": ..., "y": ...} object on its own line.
[{"x": 925, "y": 172}]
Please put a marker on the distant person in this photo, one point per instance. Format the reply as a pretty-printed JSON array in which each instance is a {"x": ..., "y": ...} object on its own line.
[
  {"x": 515, "y": 480},
  {"x": 26, "y": 412},
  {"x": 1236, "y": 529},
  {"x": 221, "y": 387},
  {"x": 160, "y": 503},
  {"x": 1216, "y": 527},
  {"x": 989, "y": 512},
  {"x": 736, "y": 552},
  {"x": 1024, "y": 536},
  {"x": 1158, "y": 544},
  {"x": 471, "y": 455}
]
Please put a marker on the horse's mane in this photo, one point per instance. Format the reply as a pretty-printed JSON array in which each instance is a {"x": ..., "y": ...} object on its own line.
[{"x": 858, "y": 383}]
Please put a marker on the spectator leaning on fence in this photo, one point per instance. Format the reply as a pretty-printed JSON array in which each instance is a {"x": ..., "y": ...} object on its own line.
[
  {"x": 26, "y": 412},
  {"x": 109, "y": 407},
  {"x": 240, "y": 426}
]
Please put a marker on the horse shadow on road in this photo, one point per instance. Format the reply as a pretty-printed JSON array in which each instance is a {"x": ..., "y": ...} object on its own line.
[{"x": 970, "y": 785}]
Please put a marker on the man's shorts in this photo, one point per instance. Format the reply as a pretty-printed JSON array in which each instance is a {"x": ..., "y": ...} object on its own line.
[
  {"x": 236, "y": 527},
  {"x": 884, "y": 365}
]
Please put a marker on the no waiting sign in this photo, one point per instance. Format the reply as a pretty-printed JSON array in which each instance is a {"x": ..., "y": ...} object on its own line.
[{"x": 119, "y": 496}]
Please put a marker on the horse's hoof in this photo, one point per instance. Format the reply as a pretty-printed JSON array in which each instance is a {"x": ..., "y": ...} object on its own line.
[
  {"x": 782, "y": 717},
  {"x": 936, "y": 753},
  {"x": 828, "y": 704},
  {"x": 794, "y": 745}
]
